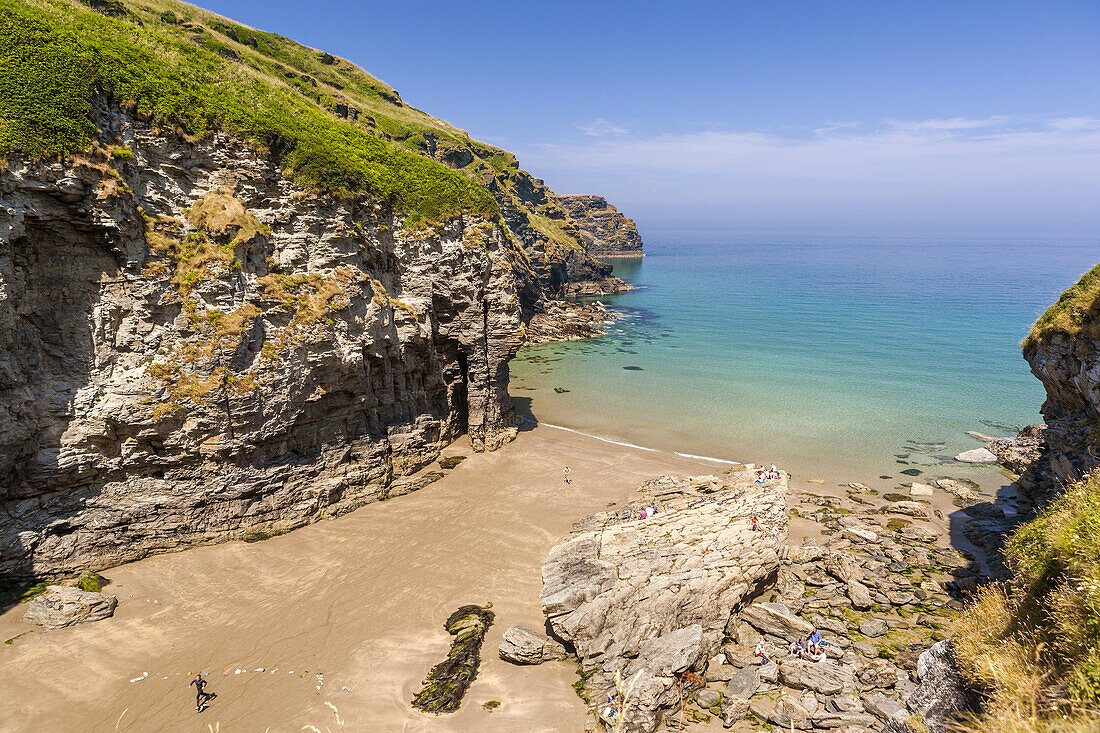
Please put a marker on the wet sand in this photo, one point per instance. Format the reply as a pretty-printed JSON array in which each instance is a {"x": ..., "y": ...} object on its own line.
[{"x": 360, "y": 599}]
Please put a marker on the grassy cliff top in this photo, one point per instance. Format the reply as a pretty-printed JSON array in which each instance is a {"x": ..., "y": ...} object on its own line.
[
  {"x": 179, "y": 66},
  {"x": 1077, "y": 312}
]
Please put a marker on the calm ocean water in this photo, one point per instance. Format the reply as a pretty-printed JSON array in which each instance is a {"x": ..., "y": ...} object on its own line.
[{"x": 837, "y": 358}]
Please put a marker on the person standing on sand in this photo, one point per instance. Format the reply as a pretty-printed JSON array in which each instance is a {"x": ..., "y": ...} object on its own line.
[
  {"x": 566, "y": 472},
  {"x": 201, "y": 695}
]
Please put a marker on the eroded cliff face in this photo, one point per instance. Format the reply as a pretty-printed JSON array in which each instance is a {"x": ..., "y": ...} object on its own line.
[
  {"x": 604, "y": 231},
  {"x": 192, "y": 350},
  {"x": 1069, "y": 368},
  {"x": 1063, "y": 350}
]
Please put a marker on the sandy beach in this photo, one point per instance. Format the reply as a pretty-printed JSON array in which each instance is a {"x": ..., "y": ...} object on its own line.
[{"x": 360, "y": 600}]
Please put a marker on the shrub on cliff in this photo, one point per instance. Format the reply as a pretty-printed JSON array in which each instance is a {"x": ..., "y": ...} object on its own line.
[{"x": 1033, "y": 642}]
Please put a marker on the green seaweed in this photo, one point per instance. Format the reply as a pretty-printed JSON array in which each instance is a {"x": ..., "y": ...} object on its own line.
[
  {"x": 447, "y": 682},
  {"x": 451, "y": 461},
  {"x": 91, "y": 582}
]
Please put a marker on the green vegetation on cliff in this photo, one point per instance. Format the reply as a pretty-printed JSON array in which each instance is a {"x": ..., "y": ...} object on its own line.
[
  {"x": 1034, "y": 642},
  {"x": 57, "y": 59},
  {"x": 1076, "y": 312}
]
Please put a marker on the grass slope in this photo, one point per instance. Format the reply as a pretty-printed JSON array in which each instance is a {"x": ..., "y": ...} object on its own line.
[
  {"x": 1076, "y": 312},
  {"x": 176, "y": 65},
  {"x": 1034, "y": 641}
]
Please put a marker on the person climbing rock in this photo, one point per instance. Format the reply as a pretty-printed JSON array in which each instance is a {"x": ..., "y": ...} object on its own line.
[{"x": 201, "y": 695}]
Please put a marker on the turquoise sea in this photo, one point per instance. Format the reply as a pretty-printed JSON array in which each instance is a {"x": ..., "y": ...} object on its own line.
[{"x": 837, "y": 358}]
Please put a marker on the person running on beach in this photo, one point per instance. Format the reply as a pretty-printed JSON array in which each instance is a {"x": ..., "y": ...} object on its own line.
[
  {"x": 201, "y": 695},
  {"x": 566, "y": 472}
]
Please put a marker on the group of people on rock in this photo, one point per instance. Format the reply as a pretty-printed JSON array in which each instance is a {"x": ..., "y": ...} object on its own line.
[
  {"x": 763, "y": 474},
  {"x": 810, "y": 647}
]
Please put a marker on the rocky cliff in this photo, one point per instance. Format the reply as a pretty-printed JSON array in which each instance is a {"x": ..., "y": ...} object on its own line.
[
  {"x": 194, "y": 349},
  {"x": 606, "y": 232},
  {"x": 1063, "y": 350},
  {"x": 243, "y": 285}
]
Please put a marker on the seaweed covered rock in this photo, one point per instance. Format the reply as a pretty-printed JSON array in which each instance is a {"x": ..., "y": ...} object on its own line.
[{"x": 446, "y": 684}]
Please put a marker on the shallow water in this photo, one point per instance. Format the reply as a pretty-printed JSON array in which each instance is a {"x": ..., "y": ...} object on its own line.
[{"x": 833, "y": 357}]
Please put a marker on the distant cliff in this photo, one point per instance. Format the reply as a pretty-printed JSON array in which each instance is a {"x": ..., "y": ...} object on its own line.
[
  {"x": 604, "y": 231},
  {"x": 243, "y": 285}
]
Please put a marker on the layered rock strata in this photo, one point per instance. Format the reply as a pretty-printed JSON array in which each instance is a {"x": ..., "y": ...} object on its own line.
[
  {"x": 650, "y": 598},
  {"x": 192, "y": 350},
  {"x": 604, "y": 231}
]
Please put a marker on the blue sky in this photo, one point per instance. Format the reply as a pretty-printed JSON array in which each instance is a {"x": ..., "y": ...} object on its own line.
[{"x": 965, "y": 118}]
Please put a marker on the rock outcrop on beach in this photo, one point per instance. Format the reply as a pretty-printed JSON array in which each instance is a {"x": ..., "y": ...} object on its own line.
[
  {"x": 678, "y": 604},
  {"x": 60, "y": 606},
  {"x": 234, "y": 316},
  {"x": 651, "y": 597},
  {"x": 604, "y": 230}
]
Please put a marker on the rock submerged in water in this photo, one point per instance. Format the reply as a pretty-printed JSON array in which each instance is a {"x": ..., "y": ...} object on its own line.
[
  {"x": 61, "y": 606},
  {"x": 446, "y": 684},
  {"x": 978, "y": 455},
  {"x": 652, "y": 597}
]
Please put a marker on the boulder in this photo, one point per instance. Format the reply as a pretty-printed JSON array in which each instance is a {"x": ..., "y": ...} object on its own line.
[
  {"x": 958, "y": 488},
  {"x": 824, "y": 677},
  {"x": 733, "y": 710},
  {"x": 784, "y": 712},
  {"x": 942, "y": 696},
  {"x": 873, "y": 627},
  {"x": 845, "y": 704},
  {"x": 774, "y": 619},
  {"x": 919, "y": 534},
  {"x": 884, "y": 708},
  {"x": 916, "y": 489},
  {"x": 61, "y": 606},
  {"x": 978, "y": 455},
  {"x": 844, "y": 722},
  {"x": 739, "y": 655},
  {"x": 708, "y": 698},
  {"x": 908, "y": 508},
  {"x": 859, "y": 534},
  {"x": 525, "y": 646},
  {"x": 842, "y": 566},
  {"x": 859, "y": 595},
  {"x": 878, "y": 673},
  {"x": 744, "y": 684}
]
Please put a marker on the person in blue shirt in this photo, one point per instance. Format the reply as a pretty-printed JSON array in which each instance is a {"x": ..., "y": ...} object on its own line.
[{"x": 815, "y": 641}]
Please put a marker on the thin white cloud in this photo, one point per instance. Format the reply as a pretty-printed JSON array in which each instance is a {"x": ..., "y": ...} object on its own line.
[
  {"x": 600, "y": 127},
  {"x": 995, "y": 169}
]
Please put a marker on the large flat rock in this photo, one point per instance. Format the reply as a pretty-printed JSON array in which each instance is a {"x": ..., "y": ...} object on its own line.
[{"x": 652, "y": 597}]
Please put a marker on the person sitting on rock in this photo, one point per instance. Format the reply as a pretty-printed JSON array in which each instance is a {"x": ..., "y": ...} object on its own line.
[
  {"x": 798, "y": 648},
  {"x": 762, "y": 651},
  {"x": 814, "y": 641},
  {"x": 754, "y": 524}
]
